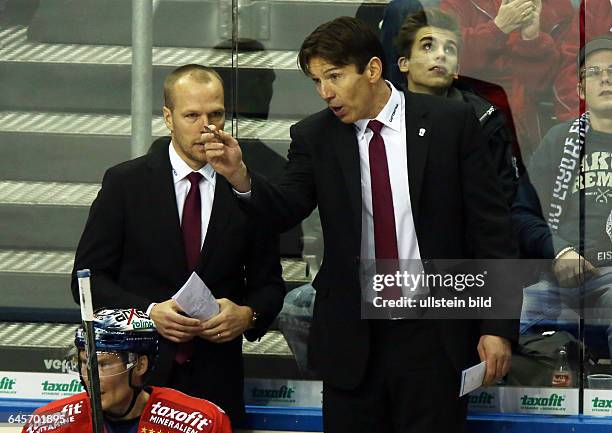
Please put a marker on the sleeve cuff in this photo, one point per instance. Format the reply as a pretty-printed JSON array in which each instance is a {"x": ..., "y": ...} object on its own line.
[
  {"x": 533, "y": 48},
  {"x": 150, "y": 307},
  {"x": 559, "y": 244},
  {"x": 242, "y": 195}
]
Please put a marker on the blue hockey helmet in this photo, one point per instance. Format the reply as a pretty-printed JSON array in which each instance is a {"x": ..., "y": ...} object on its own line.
[{"x": 122, "y": 330}]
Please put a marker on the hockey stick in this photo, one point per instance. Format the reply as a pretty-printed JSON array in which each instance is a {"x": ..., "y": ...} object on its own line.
[{"x": 87, "y": 316}]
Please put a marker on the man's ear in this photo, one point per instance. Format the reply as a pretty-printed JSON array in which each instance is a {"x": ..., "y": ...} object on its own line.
[
  {"x": 404, "y": 64},
  {"x": 374, "y": 69},
  {"x": 580, "y": 90},
  {"x": 168, "y": 118},
  {"x": 142, "y": 365}
]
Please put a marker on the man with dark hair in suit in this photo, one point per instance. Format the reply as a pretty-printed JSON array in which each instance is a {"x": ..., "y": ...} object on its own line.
[
  {"x": 160, "y": 217},
  {"x": 396, "y": 176}
]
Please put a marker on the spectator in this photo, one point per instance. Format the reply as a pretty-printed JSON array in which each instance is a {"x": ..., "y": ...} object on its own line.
[
  {"x": 588, "y": 22},
  {"x": 511, "y": 43},
  {"x": 573, "y": 165},
  {"x": 429, "y": 43},
  {"x": 393, "y": 18}
]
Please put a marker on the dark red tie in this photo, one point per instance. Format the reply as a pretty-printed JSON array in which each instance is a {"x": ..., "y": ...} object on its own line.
[
  {"x": 385, "y": 240},
  {"x": 192, "y": 238},
  {"x": 192, "y": 221}
]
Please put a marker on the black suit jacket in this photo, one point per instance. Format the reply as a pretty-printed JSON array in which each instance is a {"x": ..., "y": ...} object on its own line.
[
  {"x": 458, "y": 209},
  {"x": 133, "y": 245}
]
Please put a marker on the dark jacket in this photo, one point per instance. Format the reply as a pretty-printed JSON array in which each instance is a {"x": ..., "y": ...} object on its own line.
[
  {"x": 457, "y": 207},
  {"x": 133, "y": 245},
  {"x": 498, "y": 137}
]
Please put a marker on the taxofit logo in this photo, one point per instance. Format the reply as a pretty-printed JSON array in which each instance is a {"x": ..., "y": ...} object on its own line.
[
  {"x": 282, "y": 393},
  {"x": 600, "y": 403},
  {"x": 73, "y": 387},
  {"x": 484, "y": 398},
  {"x": 72, "y": 409},
  {"x": 187, "y": 422},
  {"x": 7, "y": 383},
  {"x": 552, "y": 401}
]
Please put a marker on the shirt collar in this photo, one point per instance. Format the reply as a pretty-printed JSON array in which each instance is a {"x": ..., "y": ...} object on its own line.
[
  {"x": 389, "y": 116},
  {"x": 180, "y": 169}
]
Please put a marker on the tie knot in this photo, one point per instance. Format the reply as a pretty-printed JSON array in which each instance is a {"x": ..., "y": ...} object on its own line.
[
  {"x": 194, "y": 178},
  {"x": 375, "y": 126}
]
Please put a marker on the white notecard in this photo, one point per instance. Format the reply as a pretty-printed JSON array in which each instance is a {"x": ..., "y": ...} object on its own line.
[
  {"x": 196, "y": 299},
  {"x": 471, "y": 378}
]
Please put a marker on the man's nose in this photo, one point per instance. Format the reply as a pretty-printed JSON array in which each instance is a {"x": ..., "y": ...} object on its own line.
[
  {"x": 326, "y": 93},
  {"x": 439, "y": 53}
]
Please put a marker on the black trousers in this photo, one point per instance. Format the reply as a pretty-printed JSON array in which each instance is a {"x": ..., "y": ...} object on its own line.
[{"x": 410, "y": 386}]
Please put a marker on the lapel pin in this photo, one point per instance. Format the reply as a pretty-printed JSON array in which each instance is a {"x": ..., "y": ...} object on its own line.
[{"x": 422, "y": 132}]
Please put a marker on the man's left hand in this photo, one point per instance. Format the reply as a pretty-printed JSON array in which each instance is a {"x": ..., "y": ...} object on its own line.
[
  {"x": 498, "y": 353},
  {"x": 231, "y": 322}
]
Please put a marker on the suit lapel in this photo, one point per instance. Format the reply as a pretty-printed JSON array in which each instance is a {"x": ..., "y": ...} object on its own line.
[
  {"x": 163, "y": 201},
  {"x": 219, "y": 218},
  {"x": 418, "y": 137},
  {"x": 347, "y": 150}
]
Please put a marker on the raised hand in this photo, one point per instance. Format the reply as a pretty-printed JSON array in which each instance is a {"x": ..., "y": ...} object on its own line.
[
  {"x": 223, "y": 153},
  {"x": 531, "y": 26},
  {"x": 513, "y": 14}
]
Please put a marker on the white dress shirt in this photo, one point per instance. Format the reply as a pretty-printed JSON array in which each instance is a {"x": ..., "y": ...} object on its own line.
[
  {"x": 393, "y": 117},
  {"x": 180, "y": 170}
]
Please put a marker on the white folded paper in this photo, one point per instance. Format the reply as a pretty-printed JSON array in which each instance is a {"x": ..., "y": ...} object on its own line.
[
  {"x": 196, "y": 299},
  {"x": 471, "y": 378}
]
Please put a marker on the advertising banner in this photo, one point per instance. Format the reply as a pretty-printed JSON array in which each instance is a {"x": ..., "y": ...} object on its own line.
[
  {"x": 301, "y": 393},
  {"x": 484, "y": 400},
  {"x": 598, "y": 402},
  {"x": 278, "y": 392},
  {"x": 545, "y": 401},
  {"x": 44, "y": 359},
  {"x": 38, "y": 386},
  {"x": 548, "y": 401}
]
